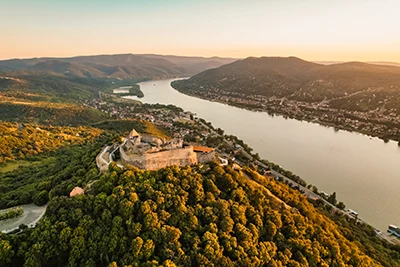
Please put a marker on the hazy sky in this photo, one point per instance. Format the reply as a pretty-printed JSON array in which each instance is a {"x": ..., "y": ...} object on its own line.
[{"x": 312, "y": 29}]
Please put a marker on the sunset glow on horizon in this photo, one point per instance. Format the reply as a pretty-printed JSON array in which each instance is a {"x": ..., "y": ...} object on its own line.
[{"x": 358, "y": 30}]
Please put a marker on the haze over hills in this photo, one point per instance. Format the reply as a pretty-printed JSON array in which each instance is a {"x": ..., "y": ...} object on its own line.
[
  {"x": 121, "y": 66},
  {"x": 195, "y": 65},
  {"x": 387, "y": 63}
]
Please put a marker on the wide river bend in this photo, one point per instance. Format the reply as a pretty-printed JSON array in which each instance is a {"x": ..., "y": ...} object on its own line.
[{"x": 363, "y": 171}]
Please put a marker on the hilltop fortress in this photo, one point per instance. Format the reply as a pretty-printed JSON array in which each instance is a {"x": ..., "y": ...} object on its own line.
[{"x": 152, "y": 153}]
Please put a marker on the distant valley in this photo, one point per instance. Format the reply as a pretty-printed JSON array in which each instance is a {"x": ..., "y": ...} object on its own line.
[
  {"x": 28, "y": 85},
  {"x": 122, "y": 66}
]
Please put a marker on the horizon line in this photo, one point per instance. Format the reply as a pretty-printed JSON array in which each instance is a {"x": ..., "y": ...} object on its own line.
[{"x": 326, "y": 62}]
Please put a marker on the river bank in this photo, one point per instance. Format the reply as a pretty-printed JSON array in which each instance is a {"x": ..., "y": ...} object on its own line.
[{"x": 352, "y": 123}]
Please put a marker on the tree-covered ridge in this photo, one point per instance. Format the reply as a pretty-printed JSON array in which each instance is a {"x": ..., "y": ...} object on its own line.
[
  {"x": 125, "y": 66},
  {"x": 49, "y": 98},
  {"x": 54, "y": 86},
  {"x": 350, "y": 96},
  {"x": 200, "y": 216},
  {"x": 19, "y": 141},
  {"x": 56, "y": 175},
  {"x": 57, "y": 172},
  {"x": 124, "y": 126},
  {"x": 48, "y": 113},
  {"x": 295, "y": 79},
  {"x": 364, "y": 236}
]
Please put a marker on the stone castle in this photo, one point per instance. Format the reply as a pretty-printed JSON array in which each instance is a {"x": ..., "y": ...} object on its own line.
[{"x": 152, "y": 153}]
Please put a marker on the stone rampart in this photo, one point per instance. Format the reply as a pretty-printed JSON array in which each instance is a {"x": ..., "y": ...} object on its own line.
[
  {"x": 161, "y": 159},
  {"x": 205, "y": 157}
]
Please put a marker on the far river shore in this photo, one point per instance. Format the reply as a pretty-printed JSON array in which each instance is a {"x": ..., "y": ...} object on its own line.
[{"x": 300, "y": 117}]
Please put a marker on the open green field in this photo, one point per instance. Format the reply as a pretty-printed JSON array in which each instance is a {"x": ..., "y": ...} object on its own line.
[
  {"x": 126, "y": 88},
  {"x": 15, "y": 165}
]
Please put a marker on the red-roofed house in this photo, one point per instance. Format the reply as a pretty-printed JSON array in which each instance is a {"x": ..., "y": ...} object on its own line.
[
  {"x": 204, "y": 154},
  {"x": 76, "y": 191}
]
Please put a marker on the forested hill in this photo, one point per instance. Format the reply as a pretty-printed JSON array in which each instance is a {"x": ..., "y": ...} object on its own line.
[
  {"x": 122, "y": 66},
  {"x": 20, "y": 141},
  {"x": 48, "y": 113},
  {"x": 352, "y": 85},
  {"x": 193, "y": 216},
  {"x": 202, "y": 215},
  {"x": 50, "y": 86},
  {"x": 49, "y": 99}
]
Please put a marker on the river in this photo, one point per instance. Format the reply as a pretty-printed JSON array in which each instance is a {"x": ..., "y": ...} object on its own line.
[{"x": 363, "y": 171}]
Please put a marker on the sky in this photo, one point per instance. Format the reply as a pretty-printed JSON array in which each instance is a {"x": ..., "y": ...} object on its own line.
[{"x": 316, "y": 30}]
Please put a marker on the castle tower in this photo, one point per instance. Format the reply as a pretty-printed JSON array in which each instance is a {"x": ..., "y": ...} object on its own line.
[{"x": 134, "y": 136}]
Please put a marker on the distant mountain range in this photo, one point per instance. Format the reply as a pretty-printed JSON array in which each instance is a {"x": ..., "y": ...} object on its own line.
[
  {"x": 297, "y": 79},
  {"x": 123, "y": 66}
]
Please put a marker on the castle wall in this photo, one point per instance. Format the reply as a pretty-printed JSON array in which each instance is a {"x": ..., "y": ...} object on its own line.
[
  {"x": 180, "y": 157},
  {"x": 154, "y": 161},
  {"x": 205, "y": 157},
  {"x": 151, "y": 140},
  {"x": 154, "y": 153},
  {"x": 132, "y": 159},
  {"x": 173, "y": 144}
]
